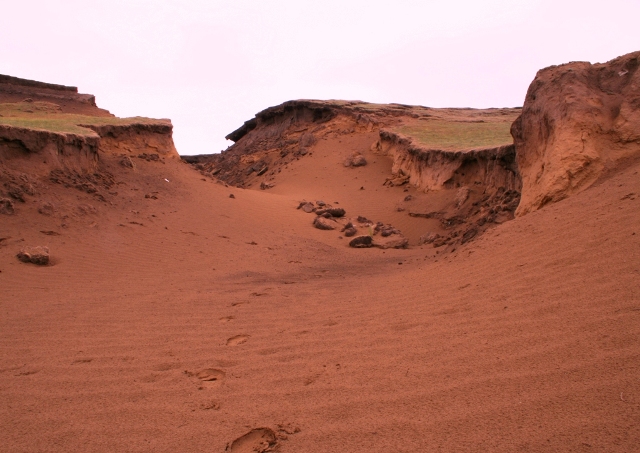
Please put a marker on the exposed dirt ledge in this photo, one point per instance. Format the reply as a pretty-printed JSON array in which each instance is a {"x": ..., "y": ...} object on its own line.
[
  {"x": 62, "y": 149},
  {"x": 137, "y": 138},
  {"x": 433, "y": 169},
  {"x": 82, "y": 152}
]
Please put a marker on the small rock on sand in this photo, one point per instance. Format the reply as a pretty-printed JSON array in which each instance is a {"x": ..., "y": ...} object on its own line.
[
  {"x": 36, "y": 255},
  {"x": 355, "y": 160},
  {"x": 428, "y": 238},
  {"x": 322, "y": 223},
  {"x": 6, "y": 206},
  {"x": 306, "y": 207}
]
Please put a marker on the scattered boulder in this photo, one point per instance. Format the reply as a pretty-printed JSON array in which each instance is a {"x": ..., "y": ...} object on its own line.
[
  {"x": 306, "y": 207},
  {"x": 428, "y": 238},
  {"x": 86, "y": 209},
  {"x": 231, "y": 195},
  {"x": 127, "y": 162},
  {"x": 355, "y": 160},
  {"x": 6, "y": 206},
  {"x": 320, "y": 203},
  {"x": 334, "y": 212},
  {"x": 155, "y": 157},
  {"x": 468, "y": 235},
  {"x": 266, "y": 185},
  {"x": 46, "y": 208},
  {"x": 399, "y": 179},
  {"x": 462, "y": 196},
  {"x": 36, "y": 255},
  {"x": 395, "y": 242},
  {"x": 361, "y": 242},
  {"x": 323, "y": 223},
  {"x": 16, "y": 192},
  {"x": 350, "y": 232}
]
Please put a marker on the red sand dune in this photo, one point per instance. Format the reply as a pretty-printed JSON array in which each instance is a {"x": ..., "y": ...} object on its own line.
[{"x": 173, "y": 317}]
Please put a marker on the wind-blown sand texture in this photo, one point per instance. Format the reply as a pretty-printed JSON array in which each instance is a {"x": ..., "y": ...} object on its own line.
[{"x": 173, "y": 317}]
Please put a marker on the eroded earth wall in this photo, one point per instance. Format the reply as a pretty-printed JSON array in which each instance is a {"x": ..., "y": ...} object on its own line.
[{"x": 579, "y": 121}]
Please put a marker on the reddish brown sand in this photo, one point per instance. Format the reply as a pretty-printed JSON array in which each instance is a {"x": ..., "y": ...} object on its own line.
[{"x": 182, "y": 323}]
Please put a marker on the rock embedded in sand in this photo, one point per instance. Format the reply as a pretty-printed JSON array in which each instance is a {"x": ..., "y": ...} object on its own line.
[
  {"x": 355, "y": 160},
  {"x": 428, "y": 238},
  {"x": 46, "y": 208},
  {"x": 361, "y": 242},
  {"x": 36, "y": 255},
  {"x": 350, "y": 232},
  {"x": 307, "y": 207},
  {"x": 127, "y": 162},
  {"x": 392, "y": 242},
  {"x": 462, "y": 196},
  {"x": 333, "y": 212},
  {"x": 6, "y": 206},
  {"x": 323, "y": 223}
]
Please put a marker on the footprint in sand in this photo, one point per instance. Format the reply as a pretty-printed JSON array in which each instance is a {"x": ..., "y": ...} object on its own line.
[
  {"x": 210, "y": 376},
  {"x": 262, "y": 440},
  {"x": 238, "y": 339},
  {"x": 258, "y": 440}
]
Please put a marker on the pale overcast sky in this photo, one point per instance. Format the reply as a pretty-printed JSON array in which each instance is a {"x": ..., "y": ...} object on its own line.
[{"x": 211, "y": 65}]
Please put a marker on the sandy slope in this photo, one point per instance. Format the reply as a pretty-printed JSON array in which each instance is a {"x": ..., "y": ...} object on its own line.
[{"x": 526, "y": 339}]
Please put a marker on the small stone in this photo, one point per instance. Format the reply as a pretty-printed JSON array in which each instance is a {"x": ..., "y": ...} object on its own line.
[
  {"x": 428, "y": 238},
  {"x": 349, "y": 232},
  {"x": 468, "y": 235},
  {"x": 307, "y": 207},
  {"x": 462, "y": 196},
  {"x": 36, "y": 255},
  {"x": 6, "y": 206},
  {"x": 127, "y": 162}
]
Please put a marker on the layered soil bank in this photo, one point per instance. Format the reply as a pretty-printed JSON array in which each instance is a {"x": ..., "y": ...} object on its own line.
[{"x": 54, "y": 134}]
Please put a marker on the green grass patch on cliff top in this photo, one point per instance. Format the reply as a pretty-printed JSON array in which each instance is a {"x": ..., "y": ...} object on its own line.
[
  {"x": 39, "y": 116},
  {"x": 458, "y": 135}
]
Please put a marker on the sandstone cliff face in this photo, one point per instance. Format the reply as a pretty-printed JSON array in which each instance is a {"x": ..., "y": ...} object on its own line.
[{"x": 578, "y": 121}]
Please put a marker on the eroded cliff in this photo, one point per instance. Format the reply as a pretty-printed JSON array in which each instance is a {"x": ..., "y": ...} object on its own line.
[{"x": 579, "y": 120}]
